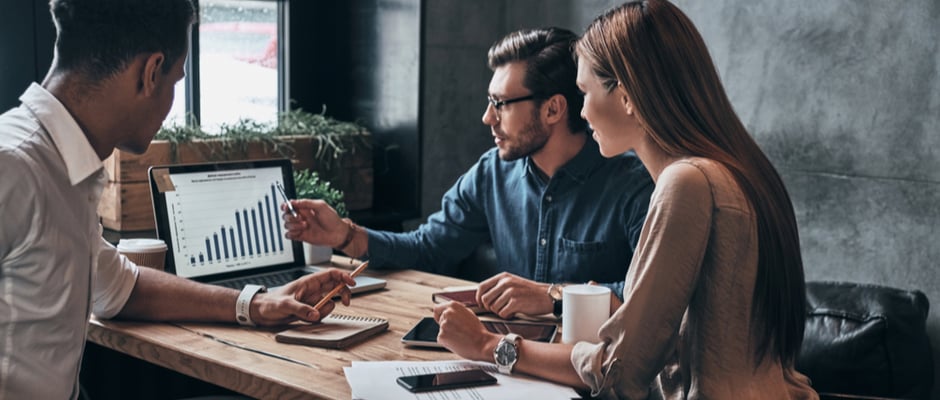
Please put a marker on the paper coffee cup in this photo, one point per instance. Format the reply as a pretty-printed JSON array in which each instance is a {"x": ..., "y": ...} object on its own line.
[
  {"x": 144, "y": 252},
  {"x": 584, "y": 309}
]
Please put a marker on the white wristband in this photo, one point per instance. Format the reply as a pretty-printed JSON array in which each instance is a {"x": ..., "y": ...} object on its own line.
[{"x": 243, "y": 304}]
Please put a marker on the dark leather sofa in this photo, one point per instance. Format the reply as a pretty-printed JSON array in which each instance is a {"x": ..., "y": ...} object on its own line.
[{"x": 866, "y": 340}]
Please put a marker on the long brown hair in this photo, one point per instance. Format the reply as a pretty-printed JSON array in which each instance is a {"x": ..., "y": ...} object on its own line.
[{"x": 653, "y": 50}]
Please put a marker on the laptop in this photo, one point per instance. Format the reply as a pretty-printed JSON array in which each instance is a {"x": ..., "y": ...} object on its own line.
[{"x": 222, "y": 223}]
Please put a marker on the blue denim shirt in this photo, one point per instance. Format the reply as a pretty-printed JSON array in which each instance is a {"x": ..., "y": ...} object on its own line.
[{"x": 581, "y": 225}]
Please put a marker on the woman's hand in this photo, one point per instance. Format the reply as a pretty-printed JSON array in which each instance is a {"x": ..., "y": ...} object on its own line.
[{"x": 462, "y": 333}]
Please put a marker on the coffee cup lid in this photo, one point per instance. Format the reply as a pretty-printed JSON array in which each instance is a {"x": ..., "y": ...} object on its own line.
[{"x": 144, "y": 245}]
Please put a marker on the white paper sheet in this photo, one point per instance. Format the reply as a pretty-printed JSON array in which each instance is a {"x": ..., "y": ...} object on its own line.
[{"x": 373, "y": 380}]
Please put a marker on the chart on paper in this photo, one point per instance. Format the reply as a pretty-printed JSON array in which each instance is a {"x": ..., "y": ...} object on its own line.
[{"x": 225, "y": 220}]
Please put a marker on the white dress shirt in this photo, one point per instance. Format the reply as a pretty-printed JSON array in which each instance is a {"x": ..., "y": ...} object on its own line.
[{"x": 55, "y": 268}]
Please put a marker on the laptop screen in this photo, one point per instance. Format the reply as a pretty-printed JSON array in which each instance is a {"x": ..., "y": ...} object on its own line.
[{"x": 223, "y": 220}]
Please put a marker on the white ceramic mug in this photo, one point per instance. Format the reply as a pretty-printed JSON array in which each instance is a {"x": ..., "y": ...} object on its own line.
[{"x": 584, "y": 309}]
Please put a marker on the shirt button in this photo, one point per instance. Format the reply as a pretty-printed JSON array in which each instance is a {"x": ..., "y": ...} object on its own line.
[
  {"x": 543, "y": 241},
  {"x": 548, "y": 198}
]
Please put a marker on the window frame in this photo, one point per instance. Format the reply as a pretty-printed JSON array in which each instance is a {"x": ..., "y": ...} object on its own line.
[{"x": 192, "y": 109}]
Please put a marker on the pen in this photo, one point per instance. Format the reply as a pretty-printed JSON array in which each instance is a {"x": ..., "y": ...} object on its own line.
[
  {"x": 336, "y": 290},
  {"x": 290, "y": 208}
]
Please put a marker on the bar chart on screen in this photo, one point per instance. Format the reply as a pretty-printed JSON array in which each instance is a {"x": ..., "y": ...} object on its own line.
[{"x": 226, "y": 220}]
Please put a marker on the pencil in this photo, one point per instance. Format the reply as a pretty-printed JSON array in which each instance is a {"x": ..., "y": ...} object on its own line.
[{"x": 336, "y": 290}]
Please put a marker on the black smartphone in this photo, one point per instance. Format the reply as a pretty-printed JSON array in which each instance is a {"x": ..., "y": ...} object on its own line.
[
  {"x": 446, "y": 380},
  {"x": 424, "y": 333}
]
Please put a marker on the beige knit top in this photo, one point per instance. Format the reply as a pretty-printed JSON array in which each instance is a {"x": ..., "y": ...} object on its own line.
[{"x": 684, "y": 325}]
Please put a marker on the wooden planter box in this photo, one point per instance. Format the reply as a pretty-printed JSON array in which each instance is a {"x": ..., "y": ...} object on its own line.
[{"x": 126, "y": 205}]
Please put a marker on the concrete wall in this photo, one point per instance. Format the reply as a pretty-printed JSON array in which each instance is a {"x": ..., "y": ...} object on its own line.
[
  {"x": 844, "y": 98},
  {"x": 457, "y": 35},
  {"x": 26, "y": 58},
  {"x": 843, "y": 95}
]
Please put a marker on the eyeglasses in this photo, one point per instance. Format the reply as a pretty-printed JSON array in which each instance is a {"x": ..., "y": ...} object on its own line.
[{"x": 498, "y": 104}]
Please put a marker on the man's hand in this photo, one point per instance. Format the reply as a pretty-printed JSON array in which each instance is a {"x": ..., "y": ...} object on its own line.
[
  {"x": 295, "y": 300},
  {"x": 316, "y": 223},
  {"x": 462, "y": 333},
  {"x": 506, "y": 294}
]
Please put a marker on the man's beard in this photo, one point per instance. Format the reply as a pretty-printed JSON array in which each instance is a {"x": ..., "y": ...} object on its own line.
[{"x": 530, "y": 140}]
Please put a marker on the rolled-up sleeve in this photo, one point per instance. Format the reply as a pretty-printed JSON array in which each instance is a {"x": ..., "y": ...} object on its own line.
[
  {"x": 641, "y": 335},
  {"x": 447, "y": 237},
  {"x": 115, "y": 278}
]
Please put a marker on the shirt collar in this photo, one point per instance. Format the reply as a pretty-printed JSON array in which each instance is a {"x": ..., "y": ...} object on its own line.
[
  {"x": 580, "y": 165},
  {"x": 79, "y": 157}
]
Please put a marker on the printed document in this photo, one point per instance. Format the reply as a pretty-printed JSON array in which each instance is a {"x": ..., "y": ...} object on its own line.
[{"x": 376, "y": 380}]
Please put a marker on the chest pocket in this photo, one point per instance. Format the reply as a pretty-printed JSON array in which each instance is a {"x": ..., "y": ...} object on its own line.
[
  {"x": 571, "y": 246},
  {"x": 598, "y": 261}
]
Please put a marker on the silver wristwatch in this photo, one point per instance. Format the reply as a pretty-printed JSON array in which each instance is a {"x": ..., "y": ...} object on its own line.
[{"x": 507, "y": 353}]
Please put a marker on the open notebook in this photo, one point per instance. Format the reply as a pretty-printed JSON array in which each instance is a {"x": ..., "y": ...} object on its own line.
[
  {"x": 222, "y": 223},
  {"x": 335, "y": 331}
]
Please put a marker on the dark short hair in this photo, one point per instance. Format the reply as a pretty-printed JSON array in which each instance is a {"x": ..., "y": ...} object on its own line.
[
  {"x": 550, "y": 66},
  {"x": 97, "y": 38}
]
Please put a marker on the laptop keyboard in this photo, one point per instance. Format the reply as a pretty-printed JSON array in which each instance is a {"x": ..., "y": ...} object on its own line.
[{"x": 268, "y": 280}]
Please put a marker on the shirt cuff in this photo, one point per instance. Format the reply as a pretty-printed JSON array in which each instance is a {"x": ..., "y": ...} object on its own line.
[
  {"x": 587, "y": 359},
  {"x": 111, "y": 298},
  {"x": 379, "y": 250}
]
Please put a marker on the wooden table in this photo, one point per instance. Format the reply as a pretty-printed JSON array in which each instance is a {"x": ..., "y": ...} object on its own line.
[{"x": 287, "y": 371}]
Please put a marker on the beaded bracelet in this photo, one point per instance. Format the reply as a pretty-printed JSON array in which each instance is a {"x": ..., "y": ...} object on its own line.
[{"x": 349, "y": 234}]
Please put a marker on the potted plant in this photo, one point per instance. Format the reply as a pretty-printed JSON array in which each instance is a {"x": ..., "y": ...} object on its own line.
[
  {"x": 339, "y": 151},
  {"x": 308, "y": 185}
]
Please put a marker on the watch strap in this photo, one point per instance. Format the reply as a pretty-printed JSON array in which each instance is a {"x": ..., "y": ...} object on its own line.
[
  {"x": 556, "y": 308},
  {"x": 243, "y": 304}
]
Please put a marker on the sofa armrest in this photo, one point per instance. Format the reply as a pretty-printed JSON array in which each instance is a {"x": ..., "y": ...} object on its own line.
[
  {"x": 866, "y": 340},
  {"x": 835, "y": 396}
]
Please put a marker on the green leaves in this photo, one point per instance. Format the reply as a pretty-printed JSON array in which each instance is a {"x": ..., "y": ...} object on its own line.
[
  {"x": 181, "y": 133},
  {"x": 309, "y": 186},
  {"x": 331, "y": 137}
]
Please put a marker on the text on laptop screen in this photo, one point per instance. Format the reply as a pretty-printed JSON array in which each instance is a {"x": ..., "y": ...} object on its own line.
[{"x": 226, "y": 221}]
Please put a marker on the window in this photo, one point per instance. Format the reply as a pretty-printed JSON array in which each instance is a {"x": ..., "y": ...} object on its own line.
[{"x": 233, "y": 70}]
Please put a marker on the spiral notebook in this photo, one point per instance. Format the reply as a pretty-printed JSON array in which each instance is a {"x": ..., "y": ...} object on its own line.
[{"x": 335, "y": 331}]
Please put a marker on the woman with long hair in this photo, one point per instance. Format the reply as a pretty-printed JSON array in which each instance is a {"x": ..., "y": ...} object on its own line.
[{"x": 714, "y": 301}]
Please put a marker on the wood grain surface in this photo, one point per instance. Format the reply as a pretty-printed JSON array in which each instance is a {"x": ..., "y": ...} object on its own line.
[{"x": 251, "y": 362}]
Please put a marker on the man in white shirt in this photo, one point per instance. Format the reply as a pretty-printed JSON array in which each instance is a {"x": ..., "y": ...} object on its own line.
[{"x": 110, "y": 86}]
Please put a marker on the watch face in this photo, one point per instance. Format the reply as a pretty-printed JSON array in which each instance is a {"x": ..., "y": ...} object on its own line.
[
  {"x": 555, "y": 292},
  {"x": 505, "y": 353}
]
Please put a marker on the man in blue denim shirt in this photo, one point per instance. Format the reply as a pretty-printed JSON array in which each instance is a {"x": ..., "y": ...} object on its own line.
[{"x": 555, "y": 210}]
